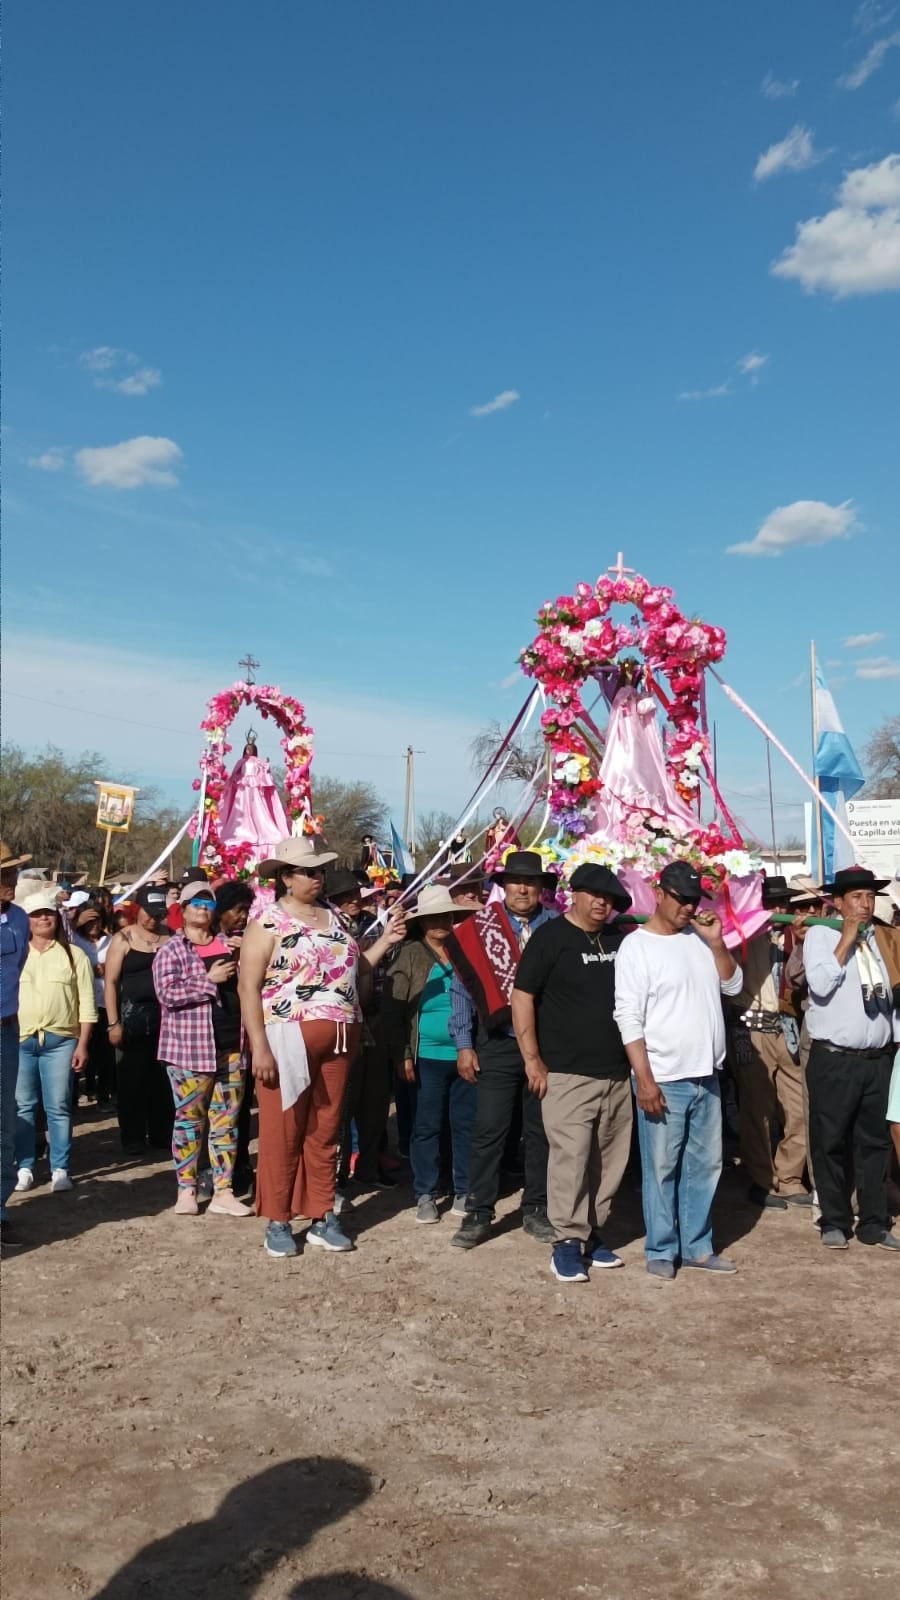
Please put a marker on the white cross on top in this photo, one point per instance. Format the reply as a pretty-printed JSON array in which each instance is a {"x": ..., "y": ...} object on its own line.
[{"x": 620, "y": 571}]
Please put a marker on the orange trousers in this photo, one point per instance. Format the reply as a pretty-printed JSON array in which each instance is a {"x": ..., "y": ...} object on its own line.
[{"x": 297, "y": 1155}]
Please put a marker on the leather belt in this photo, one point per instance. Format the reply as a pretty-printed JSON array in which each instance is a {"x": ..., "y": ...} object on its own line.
[{"x": 848, "y": 1050}]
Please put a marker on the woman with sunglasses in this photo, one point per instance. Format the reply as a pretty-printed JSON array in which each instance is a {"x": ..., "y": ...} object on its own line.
[
  {"x": 298, "y": 989},
  {"x": 195, "y": 977},
  {"x": 56, "y": 1014}
]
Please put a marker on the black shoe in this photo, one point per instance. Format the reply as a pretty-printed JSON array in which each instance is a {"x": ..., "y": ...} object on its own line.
[
  {"x": 473, "y": 1230},
  {"x": 535, "y": 1224},
  {"x": 769, "y": 1202}
]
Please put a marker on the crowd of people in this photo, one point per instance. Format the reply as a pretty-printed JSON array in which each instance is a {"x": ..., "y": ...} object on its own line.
[{"x": 516, "y": 1035}]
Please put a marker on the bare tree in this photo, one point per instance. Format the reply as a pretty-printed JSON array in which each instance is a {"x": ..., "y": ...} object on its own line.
[
  {"x": 350, "y": 810},
  {"x": 524, "y": 754},
  {"x": 882, "y": 759},
  {"x": 433, "y": 828}
]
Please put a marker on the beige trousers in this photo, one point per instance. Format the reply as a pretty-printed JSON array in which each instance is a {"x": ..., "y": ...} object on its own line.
[
  {"x": 772, "y": 1082},
  {"x": 588, "y": 1126}
]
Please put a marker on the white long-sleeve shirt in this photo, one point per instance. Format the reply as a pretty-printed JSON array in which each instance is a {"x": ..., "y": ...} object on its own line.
[
  {"x": 668, "y": 993},
  {"x": 836, "y": 1010}
]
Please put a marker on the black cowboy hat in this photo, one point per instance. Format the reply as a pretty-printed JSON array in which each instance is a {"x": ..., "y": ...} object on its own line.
[
  {"x": 776, "y": 889},
  {"x": 460, "y": 869},
  {"x": 525, "y": 864},
  {"x": 341, "y": 883},
  {"x": 597, "y": 879},
  {"x": 849, "y": 878}
]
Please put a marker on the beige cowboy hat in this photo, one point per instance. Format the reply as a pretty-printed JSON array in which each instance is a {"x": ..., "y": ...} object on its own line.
[
  {"x": 803, "y": 889},
  {"x": 437, "y": 901},
  {"x": 302, "y": 852},
  {"x": 9, "y": 860}
]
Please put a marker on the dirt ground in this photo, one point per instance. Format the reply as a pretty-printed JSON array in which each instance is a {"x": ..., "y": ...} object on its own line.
[{"x": 184, "y": 1416}]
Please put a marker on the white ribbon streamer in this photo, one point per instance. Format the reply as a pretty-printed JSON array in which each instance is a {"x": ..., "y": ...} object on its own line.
[{"x": 170, "y": 847}]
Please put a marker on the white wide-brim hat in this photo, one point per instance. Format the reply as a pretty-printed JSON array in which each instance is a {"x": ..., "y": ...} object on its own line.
[
  {"x": 302, "y": 852},
  {"x": 437, "y": 901}
]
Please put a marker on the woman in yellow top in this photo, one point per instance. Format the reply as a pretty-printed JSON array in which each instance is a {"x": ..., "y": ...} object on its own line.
[{"x": 56, "y": 1015}]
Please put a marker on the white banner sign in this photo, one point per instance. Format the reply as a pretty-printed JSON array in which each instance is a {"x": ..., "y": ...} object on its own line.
[{"x": 875, "y": 829}]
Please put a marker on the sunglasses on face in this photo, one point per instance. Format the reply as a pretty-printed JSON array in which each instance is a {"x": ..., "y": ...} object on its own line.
[
  {"x": 683, "y": 899},
  {"x": 307, "y": 872},
  {"x": 203, "y": 905},
  {"x": 42, "y": 913}
]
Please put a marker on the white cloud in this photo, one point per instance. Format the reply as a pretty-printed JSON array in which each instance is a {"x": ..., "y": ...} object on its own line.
[
  {"x": 103, "y": 357},
  {"x": 774, "y": 89},
  {"x": 751, "y": 365},
  {"x": 804, "y": 523},
  {"x": 794, "y": 153},
  {"x": 107, "y": 364},
  {"x": 872, "y": 15},
  {"x": 862, "y": 641},
  {"x": 855, "y": 248},
  {"x": 48, "y": 461},
  {"x": 717, "y": 392},
  {"x": 500, "y": 402},
  {"x": 131, "y": 464},
  {"x": 871, "y": 61},
  {"x": 140, "y": 382},
  {"x": 878, "y": 667}
]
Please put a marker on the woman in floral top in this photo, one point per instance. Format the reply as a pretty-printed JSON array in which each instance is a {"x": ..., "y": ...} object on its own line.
[{"x": 299, "y": 1002}]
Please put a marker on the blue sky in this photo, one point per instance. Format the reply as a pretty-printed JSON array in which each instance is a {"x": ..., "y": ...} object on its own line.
[{"x": 279, "y": 256}]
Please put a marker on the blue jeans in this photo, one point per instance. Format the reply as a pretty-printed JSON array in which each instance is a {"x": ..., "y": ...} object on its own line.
[
  {"x": 681, "y": 1163},
  {"x": 9, "y": 1071},
  {"x": 45, "y": 1072},
  {"x": 441, "y": 1094}
]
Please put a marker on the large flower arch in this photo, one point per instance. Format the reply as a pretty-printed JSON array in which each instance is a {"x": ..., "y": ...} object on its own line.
[
  {"x": 296, "y": 742},
  {"x": 578, "y": 641}
]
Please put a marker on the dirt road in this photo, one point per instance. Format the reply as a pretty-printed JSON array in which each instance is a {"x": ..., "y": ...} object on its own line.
[{"x": 184, "y": 1417}]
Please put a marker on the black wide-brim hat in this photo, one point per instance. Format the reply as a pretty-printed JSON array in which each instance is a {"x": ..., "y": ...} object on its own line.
[
  {"x": 776, "y": 889},
  {"x": 849, "y": 878},
  {"x": 525, "y": 864}
]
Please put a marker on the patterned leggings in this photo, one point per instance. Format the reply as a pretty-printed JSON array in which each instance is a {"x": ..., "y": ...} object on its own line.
[{"x": 198, "y": 1096}]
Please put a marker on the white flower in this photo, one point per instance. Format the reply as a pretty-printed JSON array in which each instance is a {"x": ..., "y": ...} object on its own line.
[
  {"x": 693, "y": 758},
  {"x": 739, "y": 863},
  {"x": 594, "y": 627}
]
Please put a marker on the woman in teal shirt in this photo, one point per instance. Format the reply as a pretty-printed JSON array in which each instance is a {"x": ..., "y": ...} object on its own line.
[{"x": 416, "y": 1011}]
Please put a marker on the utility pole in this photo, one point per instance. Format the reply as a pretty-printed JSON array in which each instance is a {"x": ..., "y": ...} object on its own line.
[{"x": 409, "y": 801}]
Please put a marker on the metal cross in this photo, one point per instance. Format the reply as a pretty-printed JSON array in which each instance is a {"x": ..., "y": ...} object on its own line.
[
  {"x": 620, "y": 571},
  {"x": 251, "y": 663}
]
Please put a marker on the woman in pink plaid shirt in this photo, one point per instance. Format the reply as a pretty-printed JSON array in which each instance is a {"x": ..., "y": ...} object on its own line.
[{"x": 195, "y": 977}]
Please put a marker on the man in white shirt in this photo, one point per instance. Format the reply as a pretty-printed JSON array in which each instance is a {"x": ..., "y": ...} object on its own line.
[
  {"x": 670, "y": 977},
  {"x": 851, "y": 1023}
]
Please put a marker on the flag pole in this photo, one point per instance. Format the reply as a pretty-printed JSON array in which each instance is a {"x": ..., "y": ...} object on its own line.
[
  {"x": 820, "y": 859},
  {"x": 772, "y": 807}
]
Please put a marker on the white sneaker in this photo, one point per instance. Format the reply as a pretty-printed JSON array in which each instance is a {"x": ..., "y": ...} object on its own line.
[
  {"x": 60, "y": 1181},
  {"x": 24, "y": 1180}
]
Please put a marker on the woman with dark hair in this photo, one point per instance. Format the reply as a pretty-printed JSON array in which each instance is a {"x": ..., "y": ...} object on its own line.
[
  {"x": 299, "y": 1001},
  {"x": 233, "y": 902},
  {"x": 416, "y": 1011},
  {"x": 132, "y": 1010},
  {"x": 56, "y": 1014}
]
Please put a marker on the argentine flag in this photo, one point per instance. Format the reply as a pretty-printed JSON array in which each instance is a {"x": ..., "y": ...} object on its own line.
[
  {"x": 404, "y": 865},
  {"x": 839, "y": 776}
]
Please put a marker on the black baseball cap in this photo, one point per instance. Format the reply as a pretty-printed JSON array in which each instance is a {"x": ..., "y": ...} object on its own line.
[
  {"x": 151, "y": 897},
  {"x": 682, "y": 880},
  {"x": 596, "y": 879}
]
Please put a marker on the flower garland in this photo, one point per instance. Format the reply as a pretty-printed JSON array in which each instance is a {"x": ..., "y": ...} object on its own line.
[
  {"x": 296, "y": 742},
  {"x": 578, "y": 640}
]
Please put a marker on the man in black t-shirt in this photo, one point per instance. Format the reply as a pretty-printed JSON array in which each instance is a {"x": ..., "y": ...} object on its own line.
[{"x": 575, "y": 1062}]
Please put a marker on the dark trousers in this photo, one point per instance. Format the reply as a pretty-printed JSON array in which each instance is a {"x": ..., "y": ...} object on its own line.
[
  {"x": 100, "y": 1077},
  {"x": 501, "y": 1085},
  {"x": 242, "y": 1156},
  {"x": 442, "y": 1098},
  {"x": 367, "y": 1105},
  {"x": 145, "y": 1105},
  {"x": 848, "y": 1136}
]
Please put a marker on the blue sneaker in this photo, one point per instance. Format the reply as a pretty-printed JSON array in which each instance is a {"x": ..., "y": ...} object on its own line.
[
  {"x": 567, "y": 1263},
  {"x": 328, "y": 1234},
  {"x": 596, "y": 1254},
  {"x": 279, "y": 1241}
]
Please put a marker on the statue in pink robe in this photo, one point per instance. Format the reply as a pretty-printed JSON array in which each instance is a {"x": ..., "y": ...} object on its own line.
[
  {"x": 250, "y": 811},
  {"x": 636, "y": 786}
]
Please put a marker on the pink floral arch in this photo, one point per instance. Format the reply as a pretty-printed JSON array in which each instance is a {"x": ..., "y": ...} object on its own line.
[{"x": 296, "y": 741}]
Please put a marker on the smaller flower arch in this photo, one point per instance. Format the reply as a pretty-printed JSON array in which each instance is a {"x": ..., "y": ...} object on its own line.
[{"x": 296, "y": 742}]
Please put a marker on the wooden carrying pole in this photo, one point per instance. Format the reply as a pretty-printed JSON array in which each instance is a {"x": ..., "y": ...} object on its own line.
[{"x": 105, "y": 861}]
